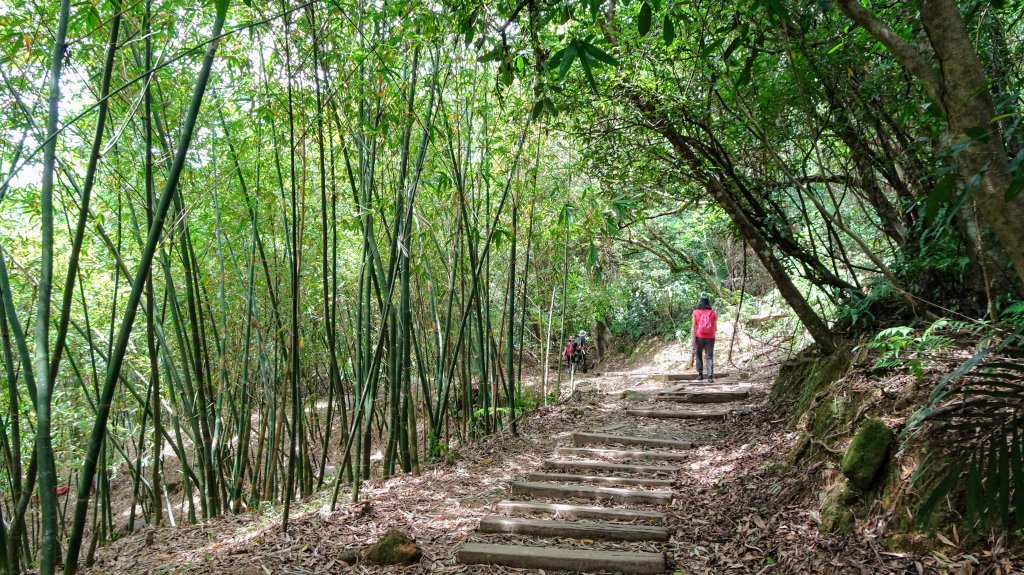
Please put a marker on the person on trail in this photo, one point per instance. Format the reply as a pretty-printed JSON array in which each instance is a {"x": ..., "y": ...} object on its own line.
[
  {"x": 580, "y": 351},
  {"x": 704, "y": 325},
  {"x": 569, "y": 354}
]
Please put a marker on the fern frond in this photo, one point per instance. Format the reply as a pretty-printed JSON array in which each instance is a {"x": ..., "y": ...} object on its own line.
[{"x": 976, "y": 413}]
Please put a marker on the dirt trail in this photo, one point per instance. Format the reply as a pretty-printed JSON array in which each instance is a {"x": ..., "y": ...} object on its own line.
[{"x": 737, "y": 507}]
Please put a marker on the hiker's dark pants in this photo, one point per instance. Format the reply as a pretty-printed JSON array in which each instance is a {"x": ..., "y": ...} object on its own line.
[{"x": 703, "y": 350}]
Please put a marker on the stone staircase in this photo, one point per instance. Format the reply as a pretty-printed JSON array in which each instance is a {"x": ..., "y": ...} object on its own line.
[{"x": 606, "y": 487}]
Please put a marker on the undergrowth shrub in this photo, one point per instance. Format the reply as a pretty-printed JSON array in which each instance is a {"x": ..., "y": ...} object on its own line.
[{"x": 972, "y": 426}]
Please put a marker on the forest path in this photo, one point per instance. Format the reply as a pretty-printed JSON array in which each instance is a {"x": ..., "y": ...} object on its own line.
[
  {"x": 601, "y": 500},
  {"x": 496, "y": 482},
  {"x": 735, "y": 505}
]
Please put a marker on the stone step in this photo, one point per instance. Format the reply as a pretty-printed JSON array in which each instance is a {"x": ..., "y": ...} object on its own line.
[
  {"x": 555, "y": 558},
  {"x": 717, "y": 396},
  {"x": 570, "y": 511},
  {"x": 558, "y": 490},
  {"x": 605, "y": 466},
  {"x": 601, "y": 479},
  {"x": 605, "y": 438},
  {"x": 678, "y": 413},
  {"x": 703, "y": 385},
  {"x": 574, "y": 529},
  {"x": 685, "y": 376},
  {"x": 620, "y": 454}
]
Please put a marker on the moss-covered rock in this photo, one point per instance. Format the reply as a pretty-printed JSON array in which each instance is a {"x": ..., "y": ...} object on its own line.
[
  {"x": 394, "y": 548},
  {"x": 867, "y": 453},
  {"x": 632, "y": 395}
]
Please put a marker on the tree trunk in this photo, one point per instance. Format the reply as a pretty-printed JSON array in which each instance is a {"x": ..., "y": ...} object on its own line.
[
  {"x": 968, "y": 104},
  {"x": 962, "y": 90}
]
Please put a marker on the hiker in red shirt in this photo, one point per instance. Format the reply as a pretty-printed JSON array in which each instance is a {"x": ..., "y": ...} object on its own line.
[
  {"x": 570, "y": 351},
  {"x": 704, "y": 323}
]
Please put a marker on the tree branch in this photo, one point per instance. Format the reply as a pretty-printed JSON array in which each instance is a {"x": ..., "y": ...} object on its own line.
[{"x": 910, "y": 57}]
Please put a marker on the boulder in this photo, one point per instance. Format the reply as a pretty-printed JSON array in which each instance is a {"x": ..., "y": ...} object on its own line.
[
  {"x": 867, "y": 453},
  {"x": 633, "y": 395},
  {"x": 394, "y": 548}
]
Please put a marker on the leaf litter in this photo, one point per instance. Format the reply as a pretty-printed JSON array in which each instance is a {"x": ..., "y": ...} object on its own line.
[{"x": 737, "y": 508}]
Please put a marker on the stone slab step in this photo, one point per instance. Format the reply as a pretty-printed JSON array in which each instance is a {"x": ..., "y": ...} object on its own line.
[
  {"x": 554, "y": 558},
  {"x": 703, "y": 385},
  {"x": 574, "y": 529},
  {"x": 605, "y": 480},
  {"x": 570, "y": 511},
  {"x": 720, "y": 396},
  {"x": 584, "y": 438},
  {"x": 558, "y": 490},
  {"x": 683, "y": 376},
  {"x": 605, "y": 466},
  {"x": 621, "y": 454},
  {"x": 678, "y": 413}
]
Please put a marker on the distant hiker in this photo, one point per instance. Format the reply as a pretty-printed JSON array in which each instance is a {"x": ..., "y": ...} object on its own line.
[
  {"x": 569, "y": 353},
  {"x": 580, "y": 353},
  {"x": 704, "y": 323}
]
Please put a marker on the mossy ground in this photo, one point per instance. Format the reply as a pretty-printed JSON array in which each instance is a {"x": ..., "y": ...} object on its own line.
[
  {"x": 394, "y": 548},
  {"x": 802, "y": 378}
]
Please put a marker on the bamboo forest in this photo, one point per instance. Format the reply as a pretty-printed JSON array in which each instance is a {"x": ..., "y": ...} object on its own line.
[{"x": 408, "y": 286}]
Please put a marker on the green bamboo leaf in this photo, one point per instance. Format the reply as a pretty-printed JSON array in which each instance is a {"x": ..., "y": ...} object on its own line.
[
  {"x": 711, "y": 48},
  {"x": 939, "y": 196},
  {"x": 745, "y": 74},
  {"x": 977, "y": 133},
  {"x": 550, "y": 106},
  {"x": 1015, "y": 188},
  {"x": 644, "y": 22},
  {"x": 585, "y": 60},
  {"x": 668, "y": 32},
  {"x": 555, "y": 60},
  {"x": 598, "y": 54},
  {"x": 222, "y": 8},
  {"x": 737, "y": 42},
  {"x": 778, "y": 10},
  {"x": 538, "y": 109},
  {"x": 924, "y": 512},
  {"x": 567, "y": 57}
]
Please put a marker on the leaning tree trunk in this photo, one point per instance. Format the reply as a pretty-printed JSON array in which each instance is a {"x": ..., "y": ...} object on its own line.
[{"x": 815, "y": 325}]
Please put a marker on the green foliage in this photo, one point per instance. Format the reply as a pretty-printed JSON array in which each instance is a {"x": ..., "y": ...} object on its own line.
[
  {"x": 975, "y": 435},
  {"x": 530, "y": 398},
  {"x": 900, "y": 347}
]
